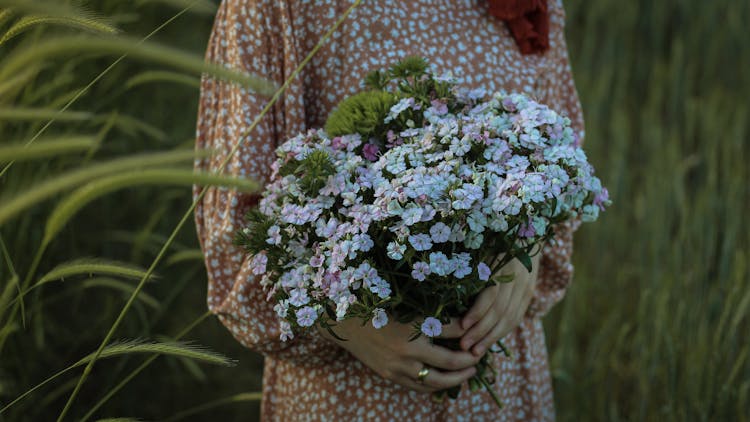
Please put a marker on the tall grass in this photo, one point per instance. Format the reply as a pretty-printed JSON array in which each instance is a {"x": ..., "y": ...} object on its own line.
[
  {"x": 59, "y": 60},
  {"x": 656, "y": 323}
]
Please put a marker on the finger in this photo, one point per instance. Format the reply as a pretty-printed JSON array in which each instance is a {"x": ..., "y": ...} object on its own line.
[
  {"x": 442, "y": 357},
  {"x": 452, "y": 330},
  {"x": 408, "y": 382},
  {"x": 490, "y": 319},
  {"x": 441, "y": 380},
  {"x": 505, "y": 326},
  {"x": 481, "y": 306},
  {"x": 498, "y": 332}
]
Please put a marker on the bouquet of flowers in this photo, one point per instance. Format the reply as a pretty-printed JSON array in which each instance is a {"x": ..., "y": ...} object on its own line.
[{"x": 410, "y": 201}]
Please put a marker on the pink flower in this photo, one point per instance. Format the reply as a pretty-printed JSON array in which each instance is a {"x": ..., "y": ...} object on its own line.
[
  {"x": 526, "y": 230},
  {"x": 440, "y": 107},
  {"x": 337, "y": 143},
  {"x": 370, "y": 152}
]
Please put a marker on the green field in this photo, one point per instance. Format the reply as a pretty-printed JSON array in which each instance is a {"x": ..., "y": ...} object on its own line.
[{"x": 655, "y": 326}]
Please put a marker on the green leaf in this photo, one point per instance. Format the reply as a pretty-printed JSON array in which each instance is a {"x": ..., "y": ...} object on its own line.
[
  {"x": 503, "y": 278},
  {"x": 413, "y": 66},
  {"x": 361, "y": 113},
  {"x": 524, "y": 259}
]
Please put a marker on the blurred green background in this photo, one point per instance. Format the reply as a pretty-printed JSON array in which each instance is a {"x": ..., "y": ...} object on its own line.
[{"x": 655, "y": 325}]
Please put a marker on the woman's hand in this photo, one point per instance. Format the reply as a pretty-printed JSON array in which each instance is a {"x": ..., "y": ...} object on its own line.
[
  {"x": 388, "y": 352},
  {"x": 499, "y": 309}
]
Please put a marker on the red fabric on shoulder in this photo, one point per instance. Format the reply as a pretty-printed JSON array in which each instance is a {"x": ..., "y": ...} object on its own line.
[{"x": 528, "y": 21}]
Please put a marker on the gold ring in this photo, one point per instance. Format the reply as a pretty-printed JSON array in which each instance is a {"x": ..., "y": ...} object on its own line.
[{"x": 422, "y": 374}]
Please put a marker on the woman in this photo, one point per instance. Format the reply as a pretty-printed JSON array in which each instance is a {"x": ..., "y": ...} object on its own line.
[{"x": 377, "y": 374}]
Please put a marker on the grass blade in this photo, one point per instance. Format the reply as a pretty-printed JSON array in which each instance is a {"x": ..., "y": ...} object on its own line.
[
  {"x": 17, "y": 81},
  {"x": 44, "y": 149},
  {"x": 237, "y": 398},
  {"x": 5, "y": 14},
  {"x": 123, "y": 287},
  {"x": 112, "y": 391},
  {"x": 35, "y": 194},
  {"x": 152, "y": 53},
  {"x": 92, "y": 266},
  {"x": 78, "y": 199},
  {"x": 163, "y": 76},
  {"x": 201, "y": 6},
  {"x": 127, "y": 347},
  {"x": 190, "y": 209},
  {"x": 169, "y": 348},
  {"x": 51, "y": 8},
  {"x": 186, "y": 255},
  {"x": 93, "y": 81},
  {"x": 86, "y": 23},
  {"x": 31, "y": 114}
]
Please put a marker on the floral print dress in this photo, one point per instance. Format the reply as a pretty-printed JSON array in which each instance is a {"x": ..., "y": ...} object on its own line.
[{"x": 311, "y": 378}]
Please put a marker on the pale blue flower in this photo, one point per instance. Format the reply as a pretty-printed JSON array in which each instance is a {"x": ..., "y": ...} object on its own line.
[
  {"x": 395, "y": 250},
  {"x": 439, "y": 263},
  {"x": 421, "y": 242},
  {"x": 440, "y": 232},
  {"x": 474, "y": 240},
  {"x": 285, "y": 330},
  {"x": 421, "y": 271},
  {"x": 274, "y": 235},
  {"x": 484, "y": 271},
  {"x": 412, "y": 214},
  {"x": 299, "y": 297},
  {"x": 431, "y": 327},
  {"x": 477, "y": 221},
  {"x": 380, "y": 287},
  {"x": 399, "y": 108},
  {"x": 379, "y": 319},
  {"x": 306, "y": 316},
  {"x": 282, "y": 308},
  {"x": 258, "y": 263},
  {"x": 462, "y": 264}
]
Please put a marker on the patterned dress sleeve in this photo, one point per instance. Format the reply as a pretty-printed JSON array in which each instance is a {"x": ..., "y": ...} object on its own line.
[
  {"x": 254, "y": 37},
  {"x": 556, "y": 268}
]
